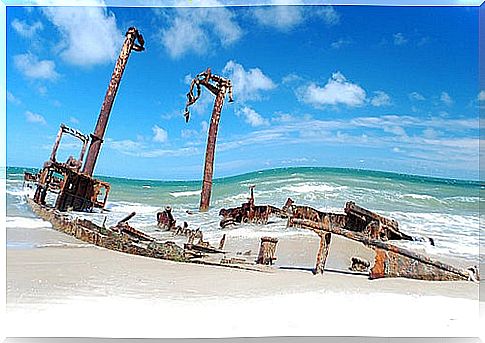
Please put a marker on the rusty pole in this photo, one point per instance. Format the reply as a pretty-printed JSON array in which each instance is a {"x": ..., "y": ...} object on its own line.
[
  {"x": 132, "y": 35},
  {"x": 219, "y": 87},
  {"x": 56, "y": 143},
  {"x": 210, "y": 152}
]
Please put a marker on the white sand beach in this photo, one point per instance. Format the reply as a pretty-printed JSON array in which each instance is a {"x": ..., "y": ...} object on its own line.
[{"x": 82, "y": 290}]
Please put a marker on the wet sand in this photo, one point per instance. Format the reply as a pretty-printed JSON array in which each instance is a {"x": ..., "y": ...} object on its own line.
[{"x": 82, "y": 290}]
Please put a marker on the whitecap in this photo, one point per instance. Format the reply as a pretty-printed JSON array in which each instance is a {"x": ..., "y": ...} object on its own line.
[
  {"x": 418, "y": 196},
  {"x": 27, "y": 223},
  {"x": 463, "y": 199},
  {"x": 128, "y": 207},
  {"x": 313, "y": 188},
  {"x": 184, "y": 194}
]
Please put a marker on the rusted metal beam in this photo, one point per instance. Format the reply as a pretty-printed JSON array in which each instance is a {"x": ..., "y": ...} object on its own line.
[
  {"x": 218, "y": 86},
  {"x": 322, "y": 252},
  {"x": 71, "y": 162},
  {"x": 56, "y": 144},
  {"x": 357, "y": 219},
  {"x": 390, "y": 260},
  {"x": 133, "y": 42}
]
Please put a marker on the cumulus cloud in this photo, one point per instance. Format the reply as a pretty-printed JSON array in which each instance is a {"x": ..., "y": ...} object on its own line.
[
  {"x": 159, "y": 135},
  {"x": 89, "y": 35},
  {"x": 26, "y": 30},
  {"x": 247, "y": 84},
  {"x": 416, "y": 96},
  {"x": 399, "y": 39},
  {"x": 252, "y": 117},
  {"x": 196, "y": 30},
  {"x": 337, "y": 91},
  {"x": 285, "y": 18},
  {"x": 380, "y": 98},
  {"x": 29, "y": 65},
  {"x": 446, "y": 99},
  {"x": 35, "y": 118}
]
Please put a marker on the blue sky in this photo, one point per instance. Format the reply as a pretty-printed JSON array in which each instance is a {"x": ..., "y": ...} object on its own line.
[{"x": 382, "y": 88}]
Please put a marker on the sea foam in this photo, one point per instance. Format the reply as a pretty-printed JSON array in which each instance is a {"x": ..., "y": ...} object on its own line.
[
  {"x": 184, "y": 194},
  {"x": 26, "y": 222}
]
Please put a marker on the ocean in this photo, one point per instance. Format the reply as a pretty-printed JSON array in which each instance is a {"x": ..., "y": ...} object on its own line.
[{"x": 446, "y": 210}]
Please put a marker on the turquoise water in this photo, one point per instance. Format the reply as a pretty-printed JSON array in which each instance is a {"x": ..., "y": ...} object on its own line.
[{"x": 447, "y": 210}]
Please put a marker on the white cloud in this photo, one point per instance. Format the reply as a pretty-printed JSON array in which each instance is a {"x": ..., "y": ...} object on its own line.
[
  {"x": 285, "y": 18},
  {"x": 26, "y": 30},
  {"x": 89, "y": 34},
  {"x": 197, "y": 134},
  {"x": 454, "y": 150},
  {"x": 399, "y": 39},
  {"x": 337, "y": 91},
  {"x": 34, "y": 118},
  {"x": 395, "y": 130},
  {"x": 204, "y": 127},
  {"x": 481, "y": 96},
  {"x": 446, "y": 99},
  {"x": 291, "y": 78},
  {"x": 247, "y": 84},
  {"x": 29, "y": 65},
  {"x": 139, "y": 149},
  {"x": 196, "y": 29},
  {"x": 125, "y": 146},
  {"x": 283, "y": 117},
  {"x": 252, "y": 117},
  {"x": 159, "y": 134},
  {"x": 380, "y": 99},
  {"x": 13, "y": 99},
  {"x": 430, "y": 133},
  {"x": 416, "y": 96},
  {"x": 340, "y": 43}
]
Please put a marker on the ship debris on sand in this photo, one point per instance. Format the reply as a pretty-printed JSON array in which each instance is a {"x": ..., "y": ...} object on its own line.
[{"x": 61, "y": 188}]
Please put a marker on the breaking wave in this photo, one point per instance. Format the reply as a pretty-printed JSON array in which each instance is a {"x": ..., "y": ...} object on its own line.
[
  {"x": 26, "y": 222},
  {"x": 445, "y": 211},
  {"x": 184, "y": 194}
]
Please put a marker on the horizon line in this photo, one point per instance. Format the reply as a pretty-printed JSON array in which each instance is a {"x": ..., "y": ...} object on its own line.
[{"x": 222, "y": 178}]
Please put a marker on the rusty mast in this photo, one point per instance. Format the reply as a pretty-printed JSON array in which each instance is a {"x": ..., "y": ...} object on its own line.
[
  {"x": 133, "y": 41},
  {"x": 218, "y": 86}
]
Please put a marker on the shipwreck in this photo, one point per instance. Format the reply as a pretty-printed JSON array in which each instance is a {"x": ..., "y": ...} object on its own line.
[{"x": 64, "y": 188}]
